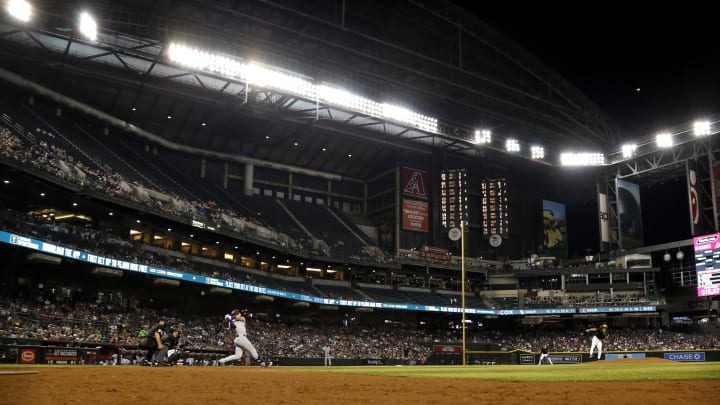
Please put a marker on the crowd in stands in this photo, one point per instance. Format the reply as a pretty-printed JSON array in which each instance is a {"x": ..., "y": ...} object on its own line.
[
  {"x": 60, "y": 317},
  {"x": 105, "y": 243},
  {"x": 619, "y": 340},
  {"x": 38, "y": 150},
  {"x": 583, "y": 300}
]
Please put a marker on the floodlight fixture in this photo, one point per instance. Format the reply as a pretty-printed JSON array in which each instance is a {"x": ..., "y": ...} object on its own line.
[
  {"x": 196, "y": 59},
  {"x": 628, "y": 150},
  {"x": 664, "y": 140},
  {"x": 20, "y": 10},
  {"x": 512, "y": 145},
  {"x": 88, "y": 26},
  {"x": 405, "y": 116},
  {"x": 342, "y": 98},
  {"x": 582, "y": 159},
  {"x": 537, "y": 152},
  {"x": 483, "y": 136},
  {"x": 268, "y": 77},
  {"x": 264, "y": 76},
  {"x": 702, "y": 128}
]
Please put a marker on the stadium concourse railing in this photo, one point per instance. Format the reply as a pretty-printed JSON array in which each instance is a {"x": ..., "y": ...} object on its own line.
[{"x": 127, "y": 266}]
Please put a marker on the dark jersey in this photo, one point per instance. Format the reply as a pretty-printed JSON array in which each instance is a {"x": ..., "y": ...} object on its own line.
[
  {"x": 150, "y": 339},
  {"x": 544, "y": 350},
  {"x": 601, "y": 334},
  {"x": 171, "y": 341}
]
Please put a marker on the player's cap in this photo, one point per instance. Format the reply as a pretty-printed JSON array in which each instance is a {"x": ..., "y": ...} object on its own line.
[
  {"x": 235, "y": 312},
  {"x": 173, "y": 328},
  {"x": 604, "y": 325}
]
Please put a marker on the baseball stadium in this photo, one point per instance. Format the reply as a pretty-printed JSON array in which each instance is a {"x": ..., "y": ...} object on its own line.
[{"x": 337, "y": 202}]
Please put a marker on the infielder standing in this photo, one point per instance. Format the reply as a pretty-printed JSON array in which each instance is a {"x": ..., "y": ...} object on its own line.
[
  {"x": 328, "y": 359},
  {"x": 599, "y": 335},
  {"x": 545, "y": 355},
  {"x": 236, "y": 322}
]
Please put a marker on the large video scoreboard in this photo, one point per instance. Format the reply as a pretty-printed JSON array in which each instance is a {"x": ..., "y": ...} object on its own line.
[{"x": 707, "y": 264}]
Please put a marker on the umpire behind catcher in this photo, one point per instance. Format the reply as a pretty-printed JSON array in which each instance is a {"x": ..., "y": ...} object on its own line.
[{"x": 153, "y": 341}]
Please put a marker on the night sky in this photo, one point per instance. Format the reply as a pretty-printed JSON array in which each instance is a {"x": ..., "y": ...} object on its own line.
[{"x": 610, "y": 50}]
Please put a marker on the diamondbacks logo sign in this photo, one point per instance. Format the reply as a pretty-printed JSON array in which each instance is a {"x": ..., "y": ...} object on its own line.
[{"x": 413, "y": 182}]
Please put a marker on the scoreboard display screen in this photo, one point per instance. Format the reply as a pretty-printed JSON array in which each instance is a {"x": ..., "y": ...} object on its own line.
[{"x": 707, "y": 264}]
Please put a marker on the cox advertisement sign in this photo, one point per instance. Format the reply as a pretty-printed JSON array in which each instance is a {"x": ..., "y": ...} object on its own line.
[{"x": 689, "y": 356}]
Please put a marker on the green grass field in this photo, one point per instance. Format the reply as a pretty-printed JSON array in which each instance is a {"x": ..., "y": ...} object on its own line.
[{"x": 533, "y": 373}]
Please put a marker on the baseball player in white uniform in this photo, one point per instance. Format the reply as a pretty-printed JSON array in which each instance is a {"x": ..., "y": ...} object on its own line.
[
  {"x": 545, "y": 355},
  {"x": 236, "y": 322},
  {"x": 599, "y": 335},
  {"x": 328, "y": 358}
]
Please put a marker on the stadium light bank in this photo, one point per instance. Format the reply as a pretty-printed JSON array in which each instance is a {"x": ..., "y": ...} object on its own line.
[{"x": 256, "y": 74}]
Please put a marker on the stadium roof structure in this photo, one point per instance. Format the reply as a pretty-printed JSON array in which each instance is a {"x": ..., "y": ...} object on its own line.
[{"x": 427, "y": 57}]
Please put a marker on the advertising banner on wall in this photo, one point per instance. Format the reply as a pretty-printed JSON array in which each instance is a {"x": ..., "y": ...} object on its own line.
[
  {"x": 555, "y": 229},
  {"x": 629, "y": 214},
  {"x": 693, "y": 199},
  {"x": 716, "y": 185},
  {"x": 415, "y": 215},
  {"x": 604, "y": 218},
  {"x": 414, "y": 183}
]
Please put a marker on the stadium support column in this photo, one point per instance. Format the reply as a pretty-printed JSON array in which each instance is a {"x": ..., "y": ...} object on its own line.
[
  {"x": 249, "y": 173},
  {"x": 714, "y": 191},
  {"x": 365, "y": 197},
  {"x": 607, "y": 188},
  {"x": 226, "y": 175},
  {"x": 398, "y": 209},
  {"x": 706, "y": 199}
]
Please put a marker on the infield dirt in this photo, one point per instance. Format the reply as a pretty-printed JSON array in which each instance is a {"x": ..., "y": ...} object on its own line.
[{"x": 210, "y": 385}]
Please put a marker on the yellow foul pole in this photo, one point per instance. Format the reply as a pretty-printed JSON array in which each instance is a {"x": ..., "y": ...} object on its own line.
[{"x": 462, "y": 280}]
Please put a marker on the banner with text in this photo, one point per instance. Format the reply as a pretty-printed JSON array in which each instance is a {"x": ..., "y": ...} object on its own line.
[
  {"x": 415, "y": 215},
  {"x": 694, "y": 200},
  {"x": 629, "y": 214},
  {"x": 555, "y": 229},
  {"x": 414, "y": 183},
  {"x": 604, "y": 218},
  {"x": 716, "y": 185}
]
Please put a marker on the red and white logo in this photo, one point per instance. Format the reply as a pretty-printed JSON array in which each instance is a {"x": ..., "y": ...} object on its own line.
[
  {"x": 27, "y": 356},
  {"x": 413, "y": 181}
]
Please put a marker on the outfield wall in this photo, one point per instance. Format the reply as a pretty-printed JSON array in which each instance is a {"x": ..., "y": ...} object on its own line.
[{"x": 525, "y": 357}]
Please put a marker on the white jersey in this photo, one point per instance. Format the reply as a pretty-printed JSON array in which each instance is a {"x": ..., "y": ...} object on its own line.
[
  {"x": 239, "y": 327},
  {"x": 241, "y": 342}
]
